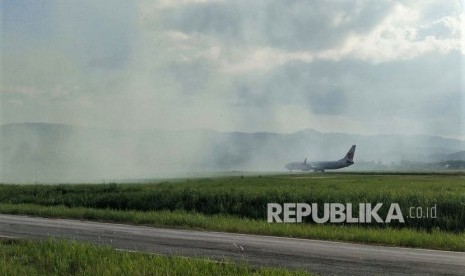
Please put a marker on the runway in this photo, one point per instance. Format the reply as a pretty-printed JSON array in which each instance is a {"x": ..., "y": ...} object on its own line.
[{"x": 324, "y": 257}]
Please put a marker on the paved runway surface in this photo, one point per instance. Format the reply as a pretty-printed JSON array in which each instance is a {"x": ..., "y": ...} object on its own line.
[{"x": 323, "y": 257}]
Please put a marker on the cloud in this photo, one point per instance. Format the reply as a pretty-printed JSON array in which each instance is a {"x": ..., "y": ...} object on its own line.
[
  {"x": 284, "y": 25},
  {"x": 402, "y": 35},
  {"x": 410, "y": 90},
  {"x": 270, "y": 35},
  {"x": 237, "y": 65}
]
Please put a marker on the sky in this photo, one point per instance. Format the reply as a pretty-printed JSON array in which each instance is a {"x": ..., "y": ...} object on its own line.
[{"x": 363, "y": 67}]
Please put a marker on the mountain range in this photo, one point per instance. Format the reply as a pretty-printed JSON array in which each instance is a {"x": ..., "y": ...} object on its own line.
[{"x": 38, "y": 152}]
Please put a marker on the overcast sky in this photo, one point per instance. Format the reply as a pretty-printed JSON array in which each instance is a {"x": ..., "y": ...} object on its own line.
[{"x": 335, "y": 66}]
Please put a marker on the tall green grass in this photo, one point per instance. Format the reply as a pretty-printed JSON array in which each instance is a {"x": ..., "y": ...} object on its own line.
[
  {"x": 247, "y": 197},
  {"x": 73, "y": 258}
]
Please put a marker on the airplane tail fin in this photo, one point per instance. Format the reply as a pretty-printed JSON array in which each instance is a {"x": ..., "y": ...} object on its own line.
[{"x": 350, "y": 154}]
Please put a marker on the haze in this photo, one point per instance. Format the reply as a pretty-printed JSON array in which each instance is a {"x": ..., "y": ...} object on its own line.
[{"x": 360, "y": 67}]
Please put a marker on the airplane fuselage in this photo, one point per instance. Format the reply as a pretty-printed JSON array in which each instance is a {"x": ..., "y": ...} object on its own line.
[
  {"x": 323, "y": 165},
  {"x": 330, "y": 165},
  {"x": 318, "y": 166}
]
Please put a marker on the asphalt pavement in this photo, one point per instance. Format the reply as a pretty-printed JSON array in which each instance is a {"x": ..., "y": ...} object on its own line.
[{"x": 324, "y": 257}]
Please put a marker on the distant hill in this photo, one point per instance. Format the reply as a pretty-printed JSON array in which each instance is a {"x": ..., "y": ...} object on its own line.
[
  {"x": 44, "y": 152},
  {"x": 457, "y": 156}
]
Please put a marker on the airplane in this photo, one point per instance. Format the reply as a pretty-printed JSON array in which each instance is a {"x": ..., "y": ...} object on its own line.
[{"x": 323, "y": 165}]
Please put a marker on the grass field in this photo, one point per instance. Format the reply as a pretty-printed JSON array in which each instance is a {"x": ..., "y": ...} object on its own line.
[
  {"x": 238, "y": 204},
  {"x": 72, "y": 258}
]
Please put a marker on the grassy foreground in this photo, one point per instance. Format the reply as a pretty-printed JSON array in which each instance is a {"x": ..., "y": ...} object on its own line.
[
  {"x": 238, "y": 204},
  {"x": 72, "y": 258},
  {"x": 247, "y": 197},
  {"x": 434, "y": 239}
]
